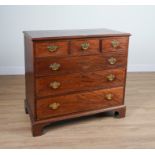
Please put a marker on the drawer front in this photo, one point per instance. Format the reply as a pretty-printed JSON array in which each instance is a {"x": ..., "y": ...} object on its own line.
[
  {"x": 59, "y": 66},
  {"x": 115, "y": 44},
  {"x": 80, "y": 102},
  {"x": 51, "y": 48},
  {"x": 84, "y": 47},
  {"x": 58, "y": 85}
]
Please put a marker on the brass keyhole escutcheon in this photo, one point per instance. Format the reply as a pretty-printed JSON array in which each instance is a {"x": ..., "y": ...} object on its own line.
[
  {"x": 109, "y": 96},
  {"x": 54, "y": 105},
  {"x": 111, "y": 77},
  {"x": 55, "y": 84},
  {"x": 52, "y": 48},
  {"x": 112, "y": 60},
  {"x": 85, "y": 46},
  {"x": 115, "y": 43},
  {"x": 55, "y": 66}
]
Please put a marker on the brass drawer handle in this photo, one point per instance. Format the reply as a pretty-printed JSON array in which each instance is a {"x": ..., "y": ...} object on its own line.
[
  {"x": 109, "y": 96},
  {"x": 111, "y": 77},
  {"x": 85, "y": 46},
  {"x": 54, "y": 105},
  {"x": 115, "y": 43},
  {"x": 112, "y": 60},
  {"x": 55, "y": 66},
  {"x": 52, "y": 48},
  {"x": 55, "y": 84}
]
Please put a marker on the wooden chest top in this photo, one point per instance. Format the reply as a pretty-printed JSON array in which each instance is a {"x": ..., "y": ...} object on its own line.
[{"x": 80, "y": 33}]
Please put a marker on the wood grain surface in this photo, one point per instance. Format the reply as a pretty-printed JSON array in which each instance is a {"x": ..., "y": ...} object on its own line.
[
  {"x": 41, "y": 48},
  {"x": 76, "y": 49},
  {"x": 79, "y": 102},
  {"x": 136, "y": 130},
  {"x": 29, "y": 74},
  {"x": 79, "y": 64},
  {"x": 122, "y": 44},
  {"x": 79, "y": 82}
]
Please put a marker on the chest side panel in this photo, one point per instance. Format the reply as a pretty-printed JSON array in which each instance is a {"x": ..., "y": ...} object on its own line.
[{"x": 29, "y": 75}]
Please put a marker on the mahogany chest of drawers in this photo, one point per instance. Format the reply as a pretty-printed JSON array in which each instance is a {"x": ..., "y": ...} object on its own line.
[{"x": 74, "y": 73}]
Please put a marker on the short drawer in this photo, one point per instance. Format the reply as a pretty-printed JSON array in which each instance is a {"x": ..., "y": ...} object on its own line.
[
  {"x": 111, "y": 44},
  {"x": 84, "y": 47},
  {"x": 51, "y": 48},
  {"x": 58, "y": 85},
  {"x": 59, "y": 66},
  {"x": 80, "y": 102}
]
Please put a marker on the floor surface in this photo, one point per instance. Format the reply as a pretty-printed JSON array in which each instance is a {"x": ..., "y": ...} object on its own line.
[{"x": 136, "y": 130}]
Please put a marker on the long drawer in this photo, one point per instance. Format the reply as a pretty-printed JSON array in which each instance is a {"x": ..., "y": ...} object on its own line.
[
  {"x": 67, "y": 104},
  {"x": 59, "y": 66},
  {"x": 58, "y": 85}
]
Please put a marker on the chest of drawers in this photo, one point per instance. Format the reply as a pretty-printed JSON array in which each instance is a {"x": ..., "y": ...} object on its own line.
[{"x": 74, "y": 73}]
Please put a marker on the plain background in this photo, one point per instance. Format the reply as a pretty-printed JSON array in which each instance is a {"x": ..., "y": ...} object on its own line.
[{"x": 137, "y": 20}]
